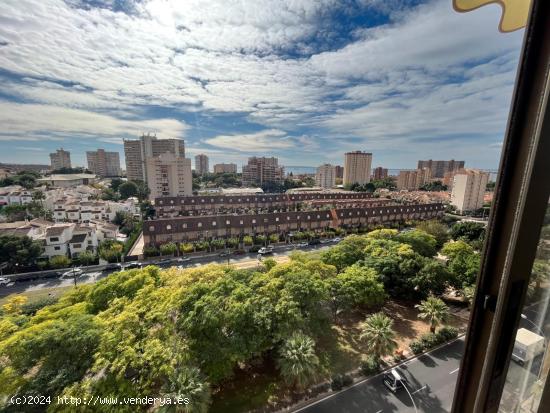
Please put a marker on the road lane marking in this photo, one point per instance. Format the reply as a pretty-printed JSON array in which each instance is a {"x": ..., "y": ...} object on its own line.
[
  {"x": 422, "y": 388},
  {"x": 454, "y": 371},
  {"x": 379, "y": 411}
]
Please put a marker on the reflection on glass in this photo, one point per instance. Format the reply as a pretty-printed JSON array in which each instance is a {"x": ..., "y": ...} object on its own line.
[{"x": 530, "y": 358}]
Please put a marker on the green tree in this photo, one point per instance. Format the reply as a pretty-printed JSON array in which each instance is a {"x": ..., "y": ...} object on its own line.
[
  {"x": 111, "y": 250},
  {"x": 14, "y": 212},
  {"x": 435, "y": 228},
  {"x": 433, "y": 278},
  {"x": 355, "y": 286},
  {"x": 434, "y": 310},
  {"x": 540, "y": 273},
  {"x": 421, "y": 242},
  {"x": 297, "y": 360},
  {"x": 273, "y": 238},
  {"x": 247, "y": 240},
  {"x": 19, "y": 250},
  {"x": 377, "y": 331},
  {"x": 346, "y": 253},
  {"x": 469, "y": 231},
  {"x": 143, "y": 190},
  {"x": 127, "y": 190},
  {"x": 115, "y": 183}
]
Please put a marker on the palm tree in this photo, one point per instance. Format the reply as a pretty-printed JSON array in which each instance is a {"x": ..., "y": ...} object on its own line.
[
  {"x": 297, "y": 361},
  {"x": 187, "y": 382},
  {"x": 434, "y": 310},
  {"x": 378, "y": 332}
]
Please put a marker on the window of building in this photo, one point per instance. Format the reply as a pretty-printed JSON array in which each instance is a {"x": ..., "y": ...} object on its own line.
[
  {"x": 199, "y": 224},
  {"x": 56, "y": 248}
]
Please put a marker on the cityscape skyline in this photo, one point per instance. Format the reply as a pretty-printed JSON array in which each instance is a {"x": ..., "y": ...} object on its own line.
[{"x": 319, "y": 88}]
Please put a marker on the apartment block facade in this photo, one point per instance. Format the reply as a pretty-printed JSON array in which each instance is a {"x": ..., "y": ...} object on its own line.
[
  {"x": 103, "y": 163},
  {"x": 137, "y": 151},
  {"x": 201, "y": 164},
  {"x": 325, "y": 177},
  {"x": 339, "y": 172},
  {"x": 191, "y": 228},
  {"x": 262, "y": 170},
  {"x": 225, "y": 168},
  {"x": 414, "y": 179},
  {"x": 379, "y": 173},
  {"x": 438, "y": 169},
  {"x": 469, "y": 186},
  {"x": 169, "y": 175},
  {"x": 357, "y": 167},
  {"x": 60, "y": 159}
]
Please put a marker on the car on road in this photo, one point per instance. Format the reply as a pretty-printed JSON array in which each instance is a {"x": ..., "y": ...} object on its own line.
[
  {"x": 315, "y": 241},
  {"x": 131, "y": 266},
  {"x": 239, "y": 252},
  {"x": 302, "y": 244},
  {"x": 393, "y": 380},
  {"x": 183, "y": 259},
  {"x": 113, "y": 266},
  {"x": 337, "y": 239},
  {"x": 325, "y": 241},
  {"x": 75, "y": 272},
  {"x": 165, "y": 261},
  {"x": 224, "y": 254},
  {"x": 265, "y": 250},
  {"x": 4, "y": 281}
]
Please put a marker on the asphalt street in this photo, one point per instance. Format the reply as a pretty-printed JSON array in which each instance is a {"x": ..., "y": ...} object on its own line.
[
  {"x": 430, "y": 379},
  {"x": 93, "y": 276}
]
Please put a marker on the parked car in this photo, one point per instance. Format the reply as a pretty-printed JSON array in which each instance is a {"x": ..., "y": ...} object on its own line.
[
  {"x": 337, "y": 239},
  {"x": 527, "y": 346},
  {"x": 166, "y": 261},
  {"x": 75, "y": 272},
  {"x": 393, "y": 380},
  {"x": 113, "y": 266},
  {"x": 183, "y": 259},
  {"x": 265, "y": 250},
  {"x": 302, "y": 244},
  {"x": 254, "y": 248},
  {"x": 224, "y": 254},
  {"x": 131, "y": 266},
  {"x": 325, "y": 241},
  {"x": 315, "y": 241},
  {"x": 239, "y": 252},
  {"x": 4, "y": 281}
]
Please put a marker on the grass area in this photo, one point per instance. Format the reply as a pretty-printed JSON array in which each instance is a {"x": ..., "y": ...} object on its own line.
[
  {"x": 35, "y": 295},
  {"x": 339, "y": 349}
]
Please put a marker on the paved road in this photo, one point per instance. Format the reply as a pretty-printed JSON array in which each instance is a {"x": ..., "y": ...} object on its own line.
[
  {"x": 94, "y": 276},
  {"x": 431, "y": 381}
]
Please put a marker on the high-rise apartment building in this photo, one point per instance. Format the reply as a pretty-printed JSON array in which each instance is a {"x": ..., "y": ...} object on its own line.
[
  {"x": 201, "y": 164},
  {"x": 60, "y": 159},
  {"x": 357, "y": 166},
  {"x": 225, "y": 168},
  {"x": 414, "y": 179},
  {"x": 169, "y": 175},
  {"x": 326, "y": 176},
  {"x": 439, "y": 168},
  {"x": 469, "y": 187},
  {"x": 262, "y": 170},
  {"x": 103, "y": 163},
  {"x": 137, "y": 151},
  {"x": 380, "y": 173},
  {"x": 339, "y": 172}
]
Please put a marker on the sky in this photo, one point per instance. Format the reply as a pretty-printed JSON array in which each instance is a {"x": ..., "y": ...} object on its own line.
[{"x": 302, "y": 80}]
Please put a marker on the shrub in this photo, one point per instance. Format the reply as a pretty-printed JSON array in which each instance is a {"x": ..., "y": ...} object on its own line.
[
  {"x": 232, "y": 242},
  {"x": 447, "y": 333},
  {"x": 260, "y": 239},
  {"x": 429, "y": 340},
  {"x": 169, "y": 248},
  {"x": 60, "y": 261},
  {"x": 417, "y": 347},
  {"x": 248, "y": 240},
  {"x": 187, "y": 248},
  {"x": 202, "y": 245},
  {"x": 347, "y": 380},
  {"x": 32, "y": 307},
  {"x": 337, "y": 383},
  {"x": 274, "y": 238},
  {"x": 218, "y": 243},
  {"x": 150, "y": 252},
  {"x": 370, "y": 366}
]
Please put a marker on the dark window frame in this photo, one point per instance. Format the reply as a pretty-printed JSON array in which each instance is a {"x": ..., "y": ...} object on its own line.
[{"x": 521, "y": 197}]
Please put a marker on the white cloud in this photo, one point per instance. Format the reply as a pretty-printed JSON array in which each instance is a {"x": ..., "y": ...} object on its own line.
[
  {"x": 24, "y": 119},
  {"x": 263, "y": 141}
]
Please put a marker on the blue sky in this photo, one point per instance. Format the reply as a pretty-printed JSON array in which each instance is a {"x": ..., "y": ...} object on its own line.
[{"x": 303, "y": 80}]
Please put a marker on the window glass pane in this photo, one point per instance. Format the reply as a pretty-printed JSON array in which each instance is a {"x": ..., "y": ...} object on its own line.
[{"x": 530, "y": 363}]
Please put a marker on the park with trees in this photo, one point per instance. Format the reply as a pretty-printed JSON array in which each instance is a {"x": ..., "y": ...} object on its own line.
[{"x": 237, "y": 339}]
